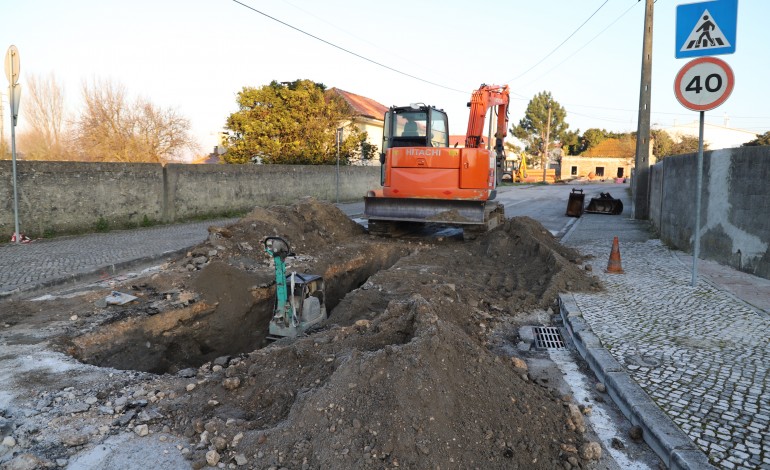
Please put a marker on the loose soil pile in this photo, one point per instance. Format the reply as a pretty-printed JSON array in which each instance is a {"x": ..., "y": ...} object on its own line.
[{"x": 401, "y": 375}]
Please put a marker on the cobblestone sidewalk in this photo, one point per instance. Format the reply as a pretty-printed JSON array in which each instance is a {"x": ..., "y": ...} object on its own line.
[
  {"x": 702, "y": 354},
  {"x": 45, "y": 262}
]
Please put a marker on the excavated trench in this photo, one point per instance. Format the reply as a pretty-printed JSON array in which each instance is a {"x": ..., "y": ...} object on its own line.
[{"x": 231, "y": 317}]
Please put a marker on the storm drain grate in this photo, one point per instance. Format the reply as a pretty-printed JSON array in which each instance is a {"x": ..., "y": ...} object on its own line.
[{"x": 548, "y": 337}]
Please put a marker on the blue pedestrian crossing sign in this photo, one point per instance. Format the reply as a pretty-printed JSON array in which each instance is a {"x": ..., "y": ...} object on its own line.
[{"x": 706, "y": 28}]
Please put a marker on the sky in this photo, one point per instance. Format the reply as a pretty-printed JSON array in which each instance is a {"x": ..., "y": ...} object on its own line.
[{"x": 196, "y": 55}]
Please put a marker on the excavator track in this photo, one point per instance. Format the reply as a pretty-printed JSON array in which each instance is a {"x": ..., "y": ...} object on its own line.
[{"x": 494, "y": 215}]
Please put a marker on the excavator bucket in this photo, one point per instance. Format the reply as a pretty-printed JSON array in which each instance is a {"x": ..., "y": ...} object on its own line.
[
  {"x": 605, "y": 204},
  {"x": 575, "y": 203}
]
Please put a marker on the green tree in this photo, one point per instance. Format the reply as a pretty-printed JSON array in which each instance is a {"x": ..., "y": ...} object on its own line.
[
  {"x": 292, "y": 123},
  {"x": 686, "y": 144},
  {"x": 572, "y": 142},
  {"x": 762, "y": 139},
  {"x": 533, "y": 126},
  {"x": 512, "y": 148},
  {"x": 593, "y": 137},
  {"x": 662, "y": 143}
]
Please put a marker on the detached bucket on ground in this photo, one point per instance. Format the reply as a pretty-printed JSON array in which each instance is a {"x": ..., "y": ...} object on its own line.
[
  {"x": 605, "y": 204},
  {"x": 575, "y": 203}
]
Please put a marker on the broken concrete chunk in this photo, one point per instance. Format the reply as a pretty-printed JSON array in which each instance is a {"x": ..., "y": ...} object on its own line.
[
  {"x": 244, "y": 246},
  {"x": 222, "y": 361},
  {"x": 74, "y": 438},
  {"x": 119, "y": 298},
  {"x": 187, "y": 373}
]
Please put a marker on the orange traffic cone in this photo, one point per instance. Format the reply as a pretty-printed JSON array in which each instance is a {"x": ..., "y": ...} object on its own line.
[{"x": 614, "y": 264}]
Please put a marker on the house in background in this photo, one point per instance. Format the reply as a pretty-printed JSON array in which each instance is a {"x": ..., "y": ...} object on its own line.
[
  {"x": 368, "y": 115},
  {"x": 611, "y": 158}
]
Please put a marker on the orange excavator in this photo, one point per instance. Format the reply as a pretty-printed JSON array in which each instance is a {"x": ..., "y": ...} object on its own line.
[{"x": 426, "y": 181}]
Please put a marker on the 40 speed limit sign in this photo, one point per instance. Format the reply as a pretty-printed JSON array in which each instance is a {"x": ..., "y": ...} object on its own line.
[{"x": 704, "y": 83}]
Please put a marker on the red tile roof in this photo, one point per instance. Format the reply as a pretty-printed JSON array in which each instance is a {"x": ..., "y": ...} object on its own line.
[
  {"x": 361, "y": 105},
  {"x": 624, "y": 148},
  {"x": 457, "y": 139}
]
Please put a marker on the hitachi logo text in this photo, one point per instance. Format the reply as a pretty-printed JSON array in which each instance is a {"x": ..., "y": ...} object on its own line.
[{"x": 423, "y": 152}]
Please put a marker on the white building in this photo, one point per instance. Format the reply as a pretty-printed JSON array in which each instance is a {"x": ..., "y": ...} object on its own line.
[{"x": 716, "y": 137}]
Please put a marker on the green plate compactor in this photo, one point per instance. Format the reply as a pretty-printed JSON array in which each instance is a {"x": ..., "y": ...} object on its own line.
[{"x": 299, "y": 298}]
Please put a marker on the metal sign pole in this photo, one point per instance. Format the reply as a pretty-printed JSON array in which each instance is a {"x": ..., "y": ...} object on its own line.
[
  {"x": 12, "y": 70},
  {"x": 698, "y": 190},
  {"x": 17, "y": 235}
]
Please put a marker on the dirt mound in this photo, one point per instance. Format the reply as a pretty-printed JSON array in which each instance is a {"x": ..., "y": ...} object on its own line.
[
  {"x": 408, "y": 389},
  {"x": 517, "y": 267},
  {"x": 309, "y": 224},
  {"x": 402, "y": 375}
]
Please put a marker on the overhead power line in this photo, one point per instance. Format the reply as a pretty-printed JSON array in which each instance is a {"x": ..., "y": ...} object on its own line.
[
  {"x": 562, "y": 43},
  {"x": 349, "y": 51},
  {"x": 571, "y": 56}
]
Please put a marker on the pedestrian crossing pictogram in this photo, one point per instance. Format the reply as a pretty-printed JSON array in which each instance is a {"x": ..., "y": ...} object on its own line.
[
  {"x": 706, "y": 28},
  {"x": 705, "y": 35}
]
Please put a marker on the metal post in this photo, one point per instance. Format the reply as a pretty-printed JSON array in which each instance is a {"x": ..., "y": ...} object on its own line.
[
  {"x": 13, "y": 164},
  {"x": 642, "y": 163},
  {"x": 339, "y": 141},
  {"x": 698, "y": 189},
  {"x": 547, "y": 139}
]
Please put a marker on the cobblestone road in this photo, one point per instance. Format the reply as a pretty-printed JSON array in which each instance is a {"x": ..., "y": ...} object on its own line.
[
  {"x": 27, "y": 265},
  {"x": 700, "y": 353}
]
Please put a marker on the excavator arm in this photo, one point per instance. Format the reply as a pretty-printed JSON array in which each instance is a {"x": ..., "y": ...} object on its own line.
[{"x": 482, "y": 99}]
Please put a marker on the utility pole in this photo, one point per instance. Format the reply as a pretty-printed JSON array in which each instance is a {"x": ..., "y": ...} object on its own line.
[
  {"x": 642, "y": 164},
  {"x": 547, "y": 139}
]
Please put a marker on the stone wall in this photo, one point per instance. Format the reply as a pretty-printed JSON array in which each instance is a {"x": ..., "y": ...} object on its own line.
[
  {"x": 62, "y": 197},
  {"x": 735, "y": 221}
]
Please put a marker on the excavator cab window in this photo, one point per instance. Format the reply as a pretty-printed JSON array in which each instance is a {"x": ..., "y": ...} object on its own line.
[
  {"x": 439, "y": 129},
  {"x": 408, "y": 127},
  {"x": 411, "y": 124},
  {"x": 421, "y": 126}
]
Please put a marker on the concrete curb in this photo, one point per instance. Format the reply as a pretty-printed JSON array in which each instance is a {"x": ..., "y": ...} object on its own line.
[
  {"x": 672, "y": 445},
  {"x": 90, "y": 274}
]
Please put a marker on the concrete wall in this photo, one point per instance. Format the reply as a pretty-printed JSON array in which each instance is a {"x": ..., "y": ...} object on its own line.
[
  {"x": 72, "y": 196},
  {"x": 62, "y": 197},
  {"x": 735, "y": 221}
]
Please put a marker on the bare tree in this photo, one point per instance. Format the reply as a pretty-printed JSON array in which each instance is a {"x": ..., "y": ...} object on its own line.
[
  {"x": 164, "y": 132},
  {"x": 45, "y": 134},
  {"x": 111, "y": 128}
]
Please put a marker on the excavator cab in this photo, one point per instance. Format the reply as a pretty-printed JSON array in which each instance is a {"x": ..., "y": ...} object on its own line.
[{"x": 415, "y": 126}]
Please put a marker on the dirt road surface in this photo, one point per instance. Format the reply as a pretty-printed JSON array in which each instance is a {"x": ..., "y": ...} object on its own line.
[{"x": 420, "y": 364}]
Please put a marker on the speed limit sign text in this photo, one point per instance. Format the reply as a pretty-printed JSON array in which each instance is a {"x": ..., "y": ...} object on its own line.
[{"x": 704, "y": 83}]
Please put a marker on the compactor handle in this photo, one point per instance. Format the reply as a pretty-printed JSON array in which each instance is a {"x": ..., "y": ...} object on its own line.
[{"x": 277, "y": 246}]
